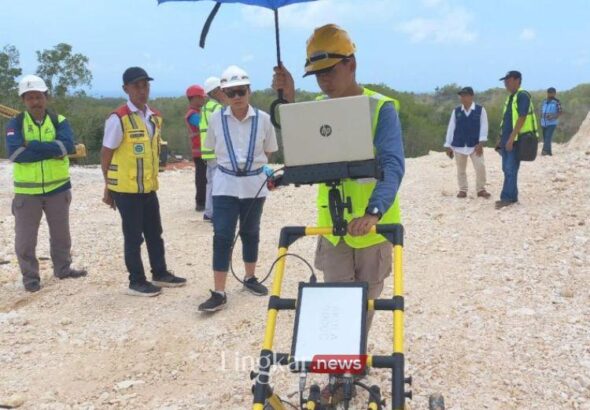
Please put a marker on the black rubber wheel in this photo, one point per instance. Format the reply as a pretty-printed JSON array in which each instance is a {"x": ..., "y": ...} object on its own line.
[{"x": 436, "y": 401}]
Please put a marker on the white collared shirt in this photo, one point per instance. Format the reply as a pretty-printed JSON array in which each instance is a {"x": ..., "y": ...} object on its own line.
[
  {"x": 483, "y": 130},
  {"x": 113, "y": 133},
  {"x": 266, "y": 141}
]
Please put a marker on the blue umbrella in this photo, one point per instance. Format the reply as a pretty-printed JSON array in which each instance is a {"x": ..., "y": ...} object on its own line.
[{"x": 269, "y": 4}]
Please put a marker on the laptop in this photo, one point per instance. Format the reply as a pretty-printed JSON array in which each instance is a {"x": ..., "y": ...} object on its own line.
[{"x": 328, "y": 131}]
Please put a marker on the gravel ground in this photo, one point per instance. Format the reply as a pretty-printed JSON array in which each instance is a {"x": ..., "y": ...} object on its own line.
[{"x": 497, "y": 302}]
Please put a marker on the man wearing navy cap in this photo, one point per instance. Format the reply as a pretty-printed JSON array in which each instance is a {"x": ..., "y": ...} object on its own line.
[
  {"x": 518, "y": 118},
  {"x": 466, "y": 135},
  {"x": 129, "y": 160}
]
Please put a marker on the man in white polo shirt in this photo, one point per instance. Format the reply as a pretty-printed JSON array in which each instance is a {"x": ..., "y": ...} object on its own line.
[{"x": 466, "y": 135}]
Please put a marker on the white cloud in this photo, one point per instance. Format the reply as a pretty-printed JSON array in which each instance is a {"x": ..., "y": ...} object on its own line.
[
  {"x": 307, "y": 16},
  {"x": 528, "y": 34},
  {"x": 247, "y": 58},
  {"x": 451, "y": 25}
]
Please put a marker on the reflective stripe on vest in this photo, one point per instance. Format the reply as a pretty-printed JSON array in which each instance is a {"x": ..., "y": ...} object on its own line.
[
  {"x": 236, "y": 171},
  {"x": 209, "y": 108},
  {"x": 530, "y": 124},
  {"x": 134, "y": 167},
  {"x": 360, "y": 192},
  {"x": 40, "y": 177}
]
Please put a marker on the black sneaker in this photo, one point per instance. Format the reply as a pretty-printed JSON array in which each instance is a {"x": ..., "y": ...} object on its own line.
[
  {"x": 33, "y": 286},
  {"x": 207, "y": 218},
  {"x": 74, "y": 274},
  {"x": 168, "y": 280},
  {"x": 253, "y": 286},
  {"x": 145, "y": 289},
  {"x": 214, "y": 303}
]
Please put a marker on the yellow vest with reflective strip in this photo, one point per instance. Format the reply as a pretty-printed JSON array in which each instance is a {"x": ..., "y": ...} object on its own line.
[
  {"x": 134, "y": 167},
  {"x": 359, "y": 192},
  {"x": 530, "y": 124},
  {"x": 40, "y": 177},
  {"x": 209, "y": 108}
]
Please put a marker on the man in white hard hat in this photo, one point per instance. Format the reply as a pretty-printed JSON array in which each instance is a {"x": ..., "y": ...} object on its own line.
[
  {"x": 216, "y": 100},
  {"x": 38, "y": 143},
  {"x": 243, "y": 139}
]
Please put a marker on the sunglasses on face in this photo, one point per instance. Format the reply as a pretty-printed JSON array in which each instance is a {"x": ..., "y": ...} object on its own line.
[
  {"x": 329, "y": 70},
  {"x": 240, "y": 92}
]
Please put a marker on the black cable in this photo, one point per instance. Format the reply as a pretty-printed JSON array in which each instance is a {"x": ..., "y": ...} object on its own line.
[
  {"x": 313, "y": 277},
  {"x": 368, "y": 389},
  {"x": 231, "y": 251},
  {"x": 289, "y": 403}
]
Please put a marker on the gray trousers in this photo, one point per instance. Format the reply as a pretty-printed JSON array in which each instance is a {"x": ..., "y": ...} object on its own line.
[
  {"x": 27, "y": 211},
  {"x": 342, "y": 263},
  {"x": 211, "y": 168}
]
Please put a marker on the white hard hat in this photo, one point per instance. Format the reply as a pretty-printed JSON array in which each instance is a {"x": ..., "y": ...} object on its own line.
[
  {"x": 31, "y": 83},
  {"x": 234, "y": 76},
  {"x": 211, "y": 84}
]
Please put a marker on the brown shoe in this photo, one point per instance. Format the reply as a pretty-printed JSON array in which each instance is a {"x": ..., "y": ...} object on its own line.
[
  {"x": 502, "y": 204},
  {"x": 484, "y": 194},
  {"x": 462, "y": 194}
]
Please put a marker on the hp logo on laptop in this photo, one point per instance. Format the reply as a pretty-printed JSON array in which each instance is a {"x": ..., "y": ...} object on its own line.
[{"x": 325, "y": 130}]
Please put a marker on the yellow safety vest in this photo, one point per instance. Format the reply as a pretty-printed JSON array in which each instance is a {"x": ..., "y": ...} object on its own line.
[
  {"x": 134, "y": 167},
  {"x": 530, "y": 124},
  {"x": 41, "y": 177},
  {"x": 359, "y": 192},
  {"x": 209, "y": 108}
]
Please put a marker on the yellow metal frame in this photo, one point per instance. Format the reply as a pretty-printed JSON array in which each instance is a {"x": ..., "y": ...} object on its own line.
[{"x": 398, "y": 313}]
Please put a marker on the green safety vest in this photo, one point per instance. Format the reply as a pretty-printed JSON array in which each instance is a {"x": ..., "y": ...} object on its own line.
[
  {"x": 530, "y": 124},
  {"x": 359, "y": 191},
  {"x": 44, "y": 176},
  {"x": 209, "y": 108}
]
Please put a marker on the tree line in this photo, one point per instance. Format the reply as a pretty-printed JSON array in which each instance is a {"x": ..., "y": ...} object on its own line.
[{"x": 424, "y": 116}]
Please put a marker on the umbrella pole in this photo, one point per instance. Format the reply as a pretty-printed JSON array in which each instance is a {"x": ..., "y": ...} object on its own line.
[
  {"x": 277, "y": 37},
  {"x": 280, "y": 99}
]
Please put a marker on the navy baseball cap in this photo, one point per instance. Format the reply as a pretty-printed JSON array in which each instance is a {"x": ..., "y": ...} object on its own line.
[
  {"x": 512, "y": 74},
  {"x": 551, "y": 90},
  {"x": 133, "y": 74},
  {"x": 466, "y": 90}
]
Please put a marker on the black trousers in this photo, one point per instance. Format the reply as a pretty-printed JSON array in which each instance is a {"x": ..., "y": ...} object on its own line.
[
  {"x": 140, "y": 214},
  {"x": 200, "y": 181}
]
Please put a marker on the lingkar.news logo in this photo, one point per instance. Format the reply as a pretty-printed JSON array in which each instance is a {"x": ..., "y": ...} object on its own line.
[{"x": 339, "y": 363}]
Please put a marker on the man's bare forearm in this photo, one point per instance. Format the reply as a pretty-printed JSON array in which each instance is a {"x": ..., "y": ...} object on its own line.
[{"x": 106, "y": 156}]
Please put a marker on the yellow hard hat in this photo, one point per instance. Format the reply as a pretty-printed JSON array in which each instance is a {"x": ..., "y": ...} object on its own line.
[{"x": 326, "y": 47}]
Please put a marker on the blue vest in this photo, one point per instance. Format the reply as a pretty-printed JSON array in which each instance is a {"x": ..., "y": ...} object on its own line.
[{"x": 467, "y": 127}]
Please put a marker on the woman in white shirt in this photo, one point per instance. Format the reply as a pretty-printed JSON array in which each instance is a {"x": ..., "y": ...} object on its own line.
[{"x": 243, "y": 139}]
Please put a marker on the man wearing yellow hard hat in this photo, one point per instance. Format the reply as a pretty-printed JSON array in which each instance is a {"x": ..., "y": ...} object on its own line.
[{"x": 360, "y": 255}]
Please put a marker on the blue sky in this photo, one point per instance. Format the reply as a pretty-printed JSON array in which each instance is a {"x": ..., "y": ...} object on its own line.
[{"x": 408, "y": 45}]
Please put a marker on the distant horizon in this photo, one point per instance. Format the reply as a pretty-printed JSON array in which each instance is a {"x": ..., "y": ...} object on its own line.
[{"x": 173, "y": 94}]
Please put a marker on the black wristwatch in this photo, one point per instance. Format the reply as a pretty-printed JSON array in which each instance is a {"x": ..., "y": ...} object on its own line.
[{"x": 373, "y": 211}]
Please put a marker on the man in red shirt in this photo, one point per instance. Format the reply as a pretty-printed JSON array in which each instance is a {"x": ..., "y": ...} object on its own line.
[{"x": 196, "y": 98}]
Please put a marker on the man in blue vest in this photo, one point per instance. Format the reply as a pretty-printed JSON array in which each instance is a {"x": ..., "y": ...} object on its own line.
[
  {"x": 550, "y": 113},
  {"x": 466, "y": 135},
  {"x": 38, "y": 144}
]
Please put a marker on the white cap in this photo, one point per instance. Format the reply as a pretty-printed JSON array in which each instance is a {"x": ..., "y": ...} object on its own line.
[
  {"x": 211, "y": 84},
  {"x": 31, "y": 83},
  {"x": 234, "y": 76}
]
